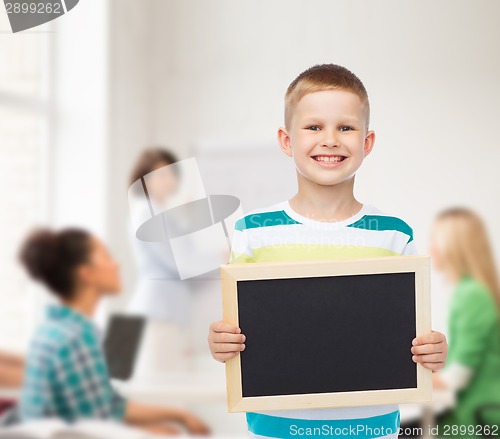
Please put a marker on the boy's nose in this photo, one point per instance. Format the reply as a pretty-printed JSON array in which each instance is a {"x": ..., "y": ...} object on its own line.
[{"x": 330, "y": 140}]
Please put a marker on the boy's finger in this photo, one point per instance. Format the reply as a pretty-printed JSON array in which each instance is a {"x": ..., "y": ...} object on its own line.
[
  {"x": 430, "y": 358},
  {"x": 428, "y": 348},
  {"x": 221, "y": 326},
  {"x": 225, "y": 337},
  {"x": 222, "y": 348},
  {"x": 431, "y": 338}
]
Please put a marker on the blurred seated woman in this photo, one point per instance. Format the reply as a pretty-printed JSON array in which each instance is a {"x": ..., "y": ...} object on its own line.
[
  {"x": 460, "y": 249},
  {"x": 66, "y": 374}
]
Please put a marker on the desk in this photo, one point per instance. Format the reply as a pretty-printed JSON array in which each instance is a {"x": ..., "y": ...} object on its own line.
[
  {"x": 204, "y": 392},
  {"x": 177, "y": 388}
]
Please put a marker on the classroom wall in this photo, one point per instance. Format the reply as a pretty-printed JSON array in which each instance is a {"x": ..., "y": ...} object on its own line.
[{"x": 77, "y": 162}]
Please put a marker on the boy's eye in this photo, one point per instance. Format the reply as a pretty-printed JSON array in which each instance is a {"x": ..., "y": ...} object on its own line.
[
  {"x": 313, "y": 128},
  {"x": 345, "y": 128}
]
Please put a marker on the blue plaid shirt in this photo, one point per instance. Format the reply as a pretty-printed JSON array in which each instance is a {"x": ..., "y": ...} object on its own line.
[{"x": 66, "y": 374}]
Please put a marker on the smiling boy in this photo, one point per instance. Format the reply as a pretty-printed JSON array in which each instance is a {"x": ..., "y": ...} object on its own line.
[{"x": 327, "y": 134}]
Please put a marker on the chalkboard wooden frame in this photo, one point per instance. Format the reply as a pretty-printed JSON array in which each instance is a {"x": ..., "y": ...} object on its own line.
[{"x": 232, "y": 273}]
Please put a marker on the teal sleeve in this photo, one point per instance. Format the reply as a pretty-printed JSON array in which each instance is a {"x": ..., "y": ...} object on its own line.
[{"x": 473, "y": 321}]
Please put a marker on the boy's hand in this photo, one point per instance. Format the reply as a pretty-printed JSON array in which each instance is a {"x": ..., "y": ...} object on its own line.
[
  {"x": 430, "y": 350},
  {"x": 225, "y": 341}
]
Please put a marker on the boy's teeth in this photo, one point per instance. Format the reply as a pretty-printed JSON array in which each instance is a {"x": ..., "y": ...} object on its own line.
[{"x": 328, "y": 159}]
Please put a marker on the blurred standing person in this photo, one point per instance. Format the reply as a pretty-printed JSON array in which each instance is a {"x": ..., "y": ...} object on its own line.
[
  {"x": 161, "y": 296},
  {"x": 460, "y": 249}
]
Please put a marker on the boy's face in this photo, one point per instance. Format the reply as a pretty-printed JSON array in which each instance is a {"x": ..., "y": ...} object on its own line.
[{"x": 327, "y": 136}]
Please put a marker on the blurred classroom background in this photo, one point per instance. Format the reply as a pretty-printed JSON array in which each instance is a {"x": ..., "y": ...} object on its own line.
[{"x": 82, "y": 96}]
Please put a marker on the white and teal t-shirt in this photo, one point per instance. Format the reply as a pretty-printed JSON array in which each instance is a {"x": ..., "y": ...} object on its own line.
[{"x": 278, "y": 233}]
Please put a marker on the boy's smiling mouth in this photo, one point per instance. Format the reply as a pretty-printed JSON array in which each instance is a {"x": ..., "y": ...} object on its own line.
[{"x": 329, "y": 160}]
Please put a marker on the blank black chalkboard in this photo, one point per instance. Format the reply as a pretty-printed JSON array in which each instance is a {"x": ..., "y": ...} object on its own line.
[{"x": 327, "y": 334}]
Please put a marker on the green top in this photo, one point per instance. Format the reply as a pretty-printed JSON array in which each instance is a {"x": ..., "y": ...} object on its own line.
[{"x": 474, "y": 342}]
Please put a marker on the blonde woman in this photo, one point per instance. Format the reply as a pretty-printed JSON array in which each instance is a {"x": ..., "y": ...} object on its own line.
[{"x": 460, "y": 249}]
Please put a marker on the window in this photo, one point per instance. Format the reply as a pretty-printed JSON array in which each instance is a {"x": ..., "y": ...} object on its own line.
[{"x": 24, "y": 129}]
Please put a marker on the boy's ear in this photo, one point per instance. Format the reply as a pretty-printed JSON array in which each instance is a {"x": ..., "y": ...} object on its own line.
[
  {"x": 284, "y": 141},
  {"x": 369, "y": 142}
]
